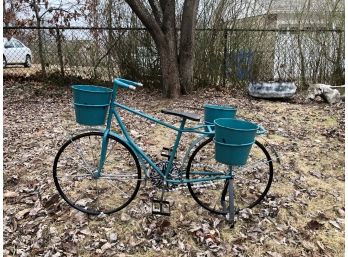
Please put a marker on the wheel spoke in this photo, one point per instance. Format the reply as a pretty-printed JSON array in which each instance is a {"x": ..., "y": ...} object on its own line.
[
  {"x": 76, "y": 176},
  {"x": 80, "y": 154},
  {"x": 72, "y": 160},
  {"x": 97, "y": 189},
  {"x": 111, "y": 151},
  {"x": 253, "y": 165},
  {"x": 119, "y": 177},
  {"x": 113, "y": 186},
  {"x": 93, "y": 155}
]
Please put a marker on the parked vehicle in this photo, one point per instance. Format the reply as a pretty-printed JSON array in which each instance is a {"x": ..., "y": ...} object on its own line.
[{"x": 15, "y": 52}]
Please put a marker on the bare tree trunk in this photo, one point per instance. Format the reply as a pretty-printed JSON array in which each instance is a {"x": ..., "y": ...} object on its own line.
[
  {"x": 168, "y": 52},
  {"x": 41, "y": 55},
  {"x": 177, "y": 71},
  {"x": 162, "y": 30},
  {"x": 186, "y": 56},
  {"x": 170, "y": 72}
]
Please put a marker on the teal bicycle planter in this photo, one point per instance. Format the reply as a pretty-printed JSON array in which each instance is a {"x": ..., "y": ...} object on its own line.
[
  {"x": 213, "y": 112},
  {"x": 91, "y": 104},
  {"x": 235, "y": 131},
  {"x": 232, "y": 154},
  {"x": 116, "y": 160}
]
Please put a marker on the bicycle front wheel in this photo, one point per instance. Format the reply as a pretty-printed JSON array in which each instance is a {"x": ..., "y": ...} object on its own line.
[
  {"x": 74, "y": 174},
  {"x": 251, "y": 181}
]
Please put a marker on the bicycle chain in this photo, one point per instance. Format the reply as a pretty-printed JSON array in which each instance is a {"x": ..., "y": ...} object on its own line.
[
  {"x": 203, "y": 184},
  {"x": 206, "y": 184},
  {"x": 158, "y": 181}
]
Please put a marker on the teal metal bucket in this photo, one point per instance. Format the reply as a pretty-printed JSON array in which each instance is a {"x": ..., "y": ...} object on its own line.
[
  {"x": 235, "y": 131},
  {"x": 232, "y": 154},
  {"x": 91, "y": 115},
  {"x": 213, "y": 112},
  {"x": 91, "y": 104},
  {"x": 91, "y": 95}
]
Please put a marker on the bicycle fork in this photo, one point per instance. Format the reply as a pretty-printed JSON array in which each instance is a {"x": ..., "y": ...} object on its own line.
[{"x": 102, "y": 159}]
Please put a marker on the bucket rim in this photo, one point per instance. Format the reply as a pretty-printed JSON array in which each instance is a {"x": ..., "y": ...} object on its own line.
[
  {"x": 239, "y": 120},
  {"x": 233, "y": 145},
  {"x": 76, "y": 87},
  {"x": 218, "y": 107},
  {"x": 91, "y": 105}
]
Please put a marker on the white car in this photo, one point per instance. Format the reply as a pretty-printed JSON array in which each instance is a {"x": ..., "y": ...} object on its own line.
[{"x": 15, "y": 52}]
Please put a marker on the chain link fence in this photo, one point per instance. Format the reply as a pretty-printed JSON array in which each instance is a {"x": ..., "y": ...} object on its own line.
[{"x": 222, "y": 57}]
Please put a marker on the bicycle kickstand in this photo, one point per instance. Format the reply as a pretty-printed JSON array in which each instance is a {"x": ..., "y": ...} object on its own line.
[
  {"x": 231, "y": 209},
  {"x": 161, "y": 207}
]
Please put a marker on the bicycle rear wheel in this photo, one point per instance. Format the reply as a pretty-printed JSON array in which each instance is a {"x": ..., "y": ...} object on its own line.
[
  {"x": 74, "y": 174},
  {"x": 251, "y": 181}
]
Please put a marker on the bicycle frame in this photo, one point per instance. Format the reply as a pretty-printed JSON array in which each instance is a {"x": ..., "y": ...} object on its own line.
[{"x": 114, "y": 105}]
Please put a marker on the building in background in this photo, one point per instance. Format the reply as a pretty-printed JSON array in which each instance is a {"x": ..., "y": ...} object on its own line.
[{"x": 293, "y": 41}]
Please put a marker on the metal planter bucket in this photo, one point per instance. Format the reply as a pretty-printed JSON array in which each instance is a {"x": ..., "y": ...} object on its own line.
[
  {"x": 91, "y": 115},
  {"x": 91, "y": 95},
  {"x": 91, "y": 104},
  {"x": 233, "y": 140},
  {"x": 213, "y": 112},
  {"x": 235, "y": 131},
  {"x": 232, "y": 154}
]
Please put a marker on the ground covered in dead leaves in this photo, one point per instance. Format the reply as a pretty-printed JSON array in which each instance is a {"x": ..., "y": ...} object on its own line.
[{"x": 303, "y": 214}]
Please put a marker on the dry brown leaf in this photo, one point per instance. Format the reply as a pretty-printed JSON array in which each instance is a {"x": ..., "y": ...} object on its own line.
[
  {"x": 309, "y": 245},
  {"x": 321, "y": 246},
  {"x": 274, "y": 254},
  {"x": 22, "y": 213},
  {"x": 10, "y": 194},
  {"x": 335, "y": 224},
  {"x": 314, "y": 225}
]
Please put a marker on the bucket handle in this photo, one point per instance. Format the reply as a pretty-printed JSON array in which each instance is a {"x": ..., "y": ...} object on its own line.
[
  {"x": 210, "y": 127},
  {"x": 261, "y": 130}
]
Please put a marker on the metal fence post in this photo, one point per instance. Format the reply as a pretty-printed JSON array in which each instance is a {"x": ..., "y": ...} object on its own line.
[
  {"x": 224, "y": 66},
  {"x": 60, "y": 52}
]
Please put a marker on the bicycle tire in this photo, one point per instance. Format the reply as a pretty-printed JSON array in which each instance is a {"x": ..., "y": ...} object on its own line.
[
  {"x": 203, "y": 156},
  {"x": 73, "y": 174}
]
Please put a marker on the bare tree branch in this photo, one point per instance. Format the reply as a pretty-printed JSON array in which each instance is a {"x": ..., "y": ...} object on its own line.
[
  {"x": 157, "y": 12},
  {"x": 188, "y": 20},
  {"x": 149, "y": 22},
  {"x": 168, "y": 9},
  {"x": 53, "y": 9}
]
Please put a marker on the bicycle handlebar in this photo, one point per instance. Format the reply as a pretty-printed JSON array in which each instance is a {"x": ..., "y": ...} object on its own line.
[
  {"x": 133, "y": 83},
  {"x": 261, "y": 130},
  {"x": 127, "y": 83}
]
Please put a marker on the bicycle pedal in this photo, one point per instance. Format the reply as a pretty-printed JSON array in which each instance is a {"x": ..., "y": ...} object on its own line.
[{"x": 160, "y": 207}]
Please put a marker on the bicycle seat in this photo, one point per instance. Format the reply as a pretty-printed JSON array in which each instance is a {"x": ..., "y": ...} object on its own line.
[{"x": 190, "y": 116}]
